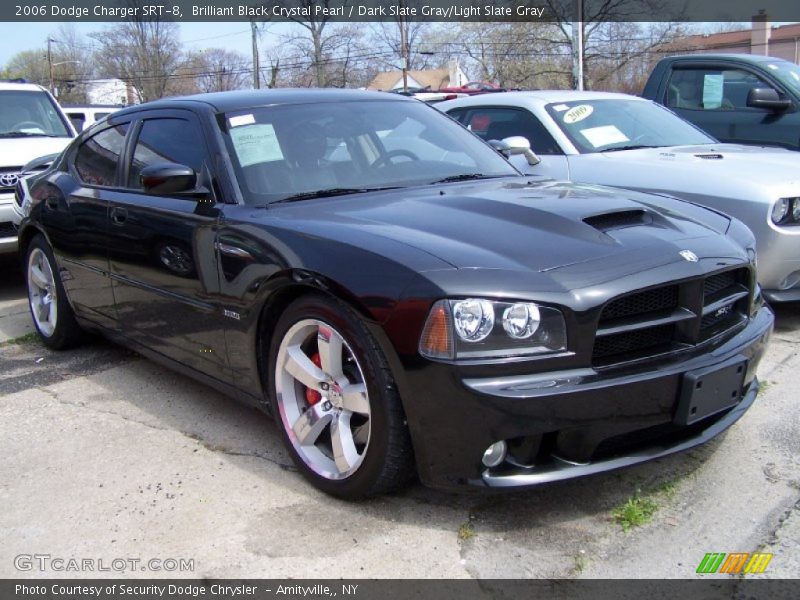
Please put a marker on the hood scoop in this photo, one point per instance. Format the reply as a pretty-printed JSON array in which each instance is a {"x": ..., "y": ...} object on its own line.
[
  {"x": 619, "y": 219},
  {"x": 710, "y": 156}
]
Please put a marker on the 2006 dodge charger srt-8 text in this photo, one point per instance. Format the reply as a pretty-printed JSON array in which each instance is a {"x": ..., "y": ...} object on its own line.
[{"x": 395, "y": 293}]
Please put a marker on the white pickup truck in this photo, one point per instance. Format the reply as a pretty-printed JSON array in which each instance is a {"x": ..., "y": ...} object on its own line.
[{"x": 32, "y": 124}]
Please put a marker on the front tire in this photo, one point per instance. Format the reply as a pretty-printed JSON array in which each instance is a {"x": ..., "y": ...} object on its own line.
[
  {"x": 336, "y": 402},
  {"x": 52, "y": 315}
]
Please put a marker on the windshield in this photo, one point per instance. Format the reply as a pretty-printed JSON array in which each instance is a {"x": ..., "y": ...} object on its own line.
[
  {"x": 293, "y": 152},
  {"x": 29, "y": 114},
  {"x": 787, "y": 72},
  {"x": 602, "y": 125}
]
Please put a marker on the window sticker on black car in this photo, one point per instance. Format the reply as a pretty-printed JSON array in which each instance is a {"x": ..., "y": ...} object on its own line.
[
  {"x": 239, "y": 120},
  {"x": 256, "y": 144}
]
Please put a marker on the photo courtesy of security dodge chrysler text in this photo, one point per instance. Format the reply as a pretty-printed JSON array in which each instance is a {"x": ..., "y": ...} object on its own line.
[{"x": 390, "y": 289}]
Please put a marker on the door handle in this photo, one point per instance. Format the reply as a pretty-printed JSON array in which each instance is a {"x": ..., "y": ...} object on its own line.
[
  {"x": 119, "y": 215},
  {"x": 233, "y": 251}
]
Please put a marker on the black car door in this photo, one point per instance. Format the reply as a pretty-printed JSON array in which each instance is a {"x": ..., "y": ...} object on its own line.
[
  {"x": 161, "y": 248},
  {"x": 77, "y": 222},
  {"x": 714, "y": 97}
]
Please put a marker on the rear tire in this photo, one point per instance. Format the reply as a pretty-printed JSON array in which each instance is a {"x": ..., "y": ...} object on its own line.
[
  {"x": 52, "y": 314},
  {"x": 336, "y": 403}
]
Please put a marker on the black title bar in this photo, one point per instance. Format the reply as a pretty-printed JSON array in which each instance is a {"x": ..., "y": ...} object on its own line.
[{"x": 391, "y": 10}]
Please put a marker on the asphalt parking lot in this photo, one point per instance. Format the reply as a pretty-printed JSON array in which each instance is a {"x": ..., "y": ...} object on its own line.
[{"x": 107, "y": 455}]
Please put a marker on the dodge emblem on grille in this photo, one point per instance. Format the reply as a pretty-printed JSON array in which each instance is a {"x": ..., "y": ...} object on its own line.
[
  {"x": 9, "y": 179},
  {"x": 688, "y": 255}
]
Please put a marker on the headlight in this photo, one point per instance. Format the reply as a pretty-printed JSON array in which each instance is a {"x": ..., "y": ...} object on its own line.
[
  {"x": 521, "y": 320},
  {"x": 480, "y": 328},
  {"x": 786, "y": 211},
  {"x": 796, "y": 210},
  {"x": 474, "y": 319},
  {"x": 780, "y": 210}
]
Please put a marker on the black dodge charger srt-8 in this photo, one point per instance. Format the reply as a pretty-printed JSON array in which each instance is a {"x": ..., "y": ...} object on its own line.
[{"x": 394, "y": 292}]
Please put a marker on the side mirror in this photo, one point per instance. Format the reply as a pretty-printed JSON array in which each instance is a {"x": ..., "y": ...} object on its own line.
[
  {"x": 163, "y": 179},
  {"x": 516, "y": 144},
  {"x": 765, "y": 97}
]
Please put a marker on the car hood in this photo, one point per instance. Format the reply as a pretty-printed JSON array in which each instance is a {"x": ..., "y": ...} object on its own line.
[
  {"x": 715, "y": 160},
  {"x": 15, "y": 152},
  {"x": 511, "y": 224}
]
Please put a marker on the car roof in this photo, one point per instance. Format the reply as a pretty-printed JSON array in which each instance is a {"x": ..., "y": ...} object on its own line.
[
  {"x": 243, "y": 99},
  {"x": 92, "y": 106},
  {"x": 728, "y": 56},
  {"x": 535, "y": 97},
  {"x": 21, "y": 87}
]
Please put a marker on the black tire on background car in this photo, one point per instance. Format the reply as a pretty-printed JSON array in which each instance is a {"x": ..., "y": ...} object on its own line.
[
  {"x": 52, "y": 315},
  {"x": 335, "y": 401}
]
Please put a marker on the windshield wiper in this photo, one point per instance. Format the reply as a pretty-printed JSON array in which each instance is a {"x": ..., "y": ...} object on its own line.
[
  {"x": 464, "y": 177},
  {"x": 16, "y": 134},
  {"x": 329, "y": 192},
  {"x": 631, "y": 147}
]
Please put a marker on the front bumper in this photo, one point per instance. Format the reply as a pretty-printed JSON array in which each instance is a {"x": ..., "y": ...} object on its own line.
[
  {"x": 580, "y": 422},
  {"x": 779, "y": 262},
  {"x": 8, "y": 221}
]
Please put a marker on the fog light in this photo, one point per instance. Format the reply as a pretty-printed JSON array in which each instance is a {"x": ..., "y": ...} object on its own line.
[{"x": 495, "y": 454}]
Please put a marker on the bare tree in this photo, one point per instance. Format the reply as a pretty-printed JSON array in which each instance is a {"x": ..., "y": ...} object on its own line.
[
  {"x": 142, "y": 52},
  {"x": 385, "y": 40},
  {"x": 74, "y": 64},
  {"x": 509, "y": 54},
  {"x": 313, "y": 41},
  {"x": 614, "y": 36},
  {"x": 218, "y": 70},
  {"x": 337, "y": 58}
]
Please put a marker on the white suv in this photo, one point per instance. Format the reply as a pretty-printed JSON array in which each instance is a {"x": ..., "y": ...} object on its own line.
[{"x": 31, "y": 125}]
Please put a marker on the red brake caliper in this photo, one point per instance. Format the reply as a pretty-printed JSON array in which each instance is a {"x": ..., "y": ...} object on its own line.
[{"x": 313, "y": 396}]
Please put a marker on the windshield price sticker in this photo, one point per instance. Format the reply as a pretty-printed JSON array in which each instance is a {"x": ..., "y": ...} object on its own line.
[
  {"x": 604, "y": 136},
  {"x": 256, "y": 144}
]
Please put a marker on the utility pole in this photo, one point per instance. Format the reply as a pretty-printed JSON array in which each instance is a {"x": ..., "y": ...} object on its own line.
[
  {"x": 577, "y": 42},
  {"x": 256, "y": 66},
  {"x": 50, "y": 64},
  {"x": 404, "y": 56},
  {"x": 402, "y": 22}
]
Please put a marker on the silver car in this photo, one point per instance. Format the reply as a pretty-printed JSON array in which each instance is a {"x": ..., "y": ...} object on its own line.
[{"x": 625, "y": 141}]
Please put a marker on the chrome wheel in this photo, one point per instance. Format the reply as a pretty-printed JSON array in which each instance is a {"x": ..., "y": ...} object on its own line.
[
  {"x": 322, "y": 399},
  {"x": 42, "y": 292}
]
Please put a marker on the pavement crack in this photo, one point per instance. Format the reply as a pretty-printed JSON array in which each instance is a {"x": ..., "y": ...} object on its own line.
[
  {"x": 207, "y": 445},
  {"x": 773, "y": 535},
  {"x": 94, "y": 409},
  {"x": 277, "y": 463}
]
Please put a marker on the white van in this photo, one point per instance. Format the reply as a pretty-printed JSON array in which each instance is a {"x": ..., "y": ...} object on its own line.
[
  {"x": 31, "y": 125},
  {"x": 82, "y": 116}
]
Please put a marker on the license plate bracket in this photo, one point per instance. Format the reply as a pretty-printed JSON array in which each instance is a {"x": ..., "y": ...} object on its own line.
[{"x": 707, "y": 391}]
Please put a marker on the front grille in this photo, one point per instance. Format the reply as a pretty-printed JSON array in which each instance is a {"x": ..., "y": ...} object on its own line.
[
  {"x": 723, "y": 302},
  {"x": 641, "y": 303},
  {"x": 7, "y": 229},
  {"x": 717, "y": 283},
  {"x": 669, "y": 317},
  {"x": 621, "y": 344}
]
